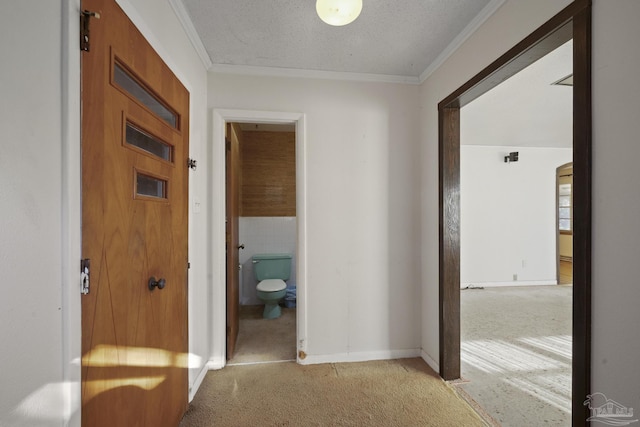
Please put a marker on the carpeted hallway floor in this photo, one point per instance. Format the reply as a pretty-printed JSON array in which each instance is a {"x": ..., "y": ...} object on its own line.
[
  {"x": 401, "y": 393},
  {"x": 516, "y": 366},
  {"x": 250, "y": 392}
]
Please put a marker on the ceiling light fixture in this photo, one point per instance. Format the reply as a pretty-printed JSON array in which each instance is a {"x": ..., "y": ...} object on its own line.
[{"x": 338, "y": 12}]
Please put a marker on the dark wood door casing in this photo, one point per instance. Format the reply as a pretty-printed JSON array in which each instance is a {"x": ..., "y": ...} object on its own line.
[{"x": 573, "y": 22}]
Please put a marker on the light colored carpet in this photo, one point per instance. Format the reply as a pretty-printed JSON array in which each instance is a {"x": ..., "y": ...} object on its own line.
[
  {"x": 403, "y": 392},
  {"x": 265, "y": 340},
  {"x": 516, "y": 353}
]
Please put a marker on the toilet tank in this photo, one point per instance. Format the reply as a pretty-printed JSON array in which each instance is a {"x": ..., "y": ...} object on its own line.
[{"x": 271, "y": 266}]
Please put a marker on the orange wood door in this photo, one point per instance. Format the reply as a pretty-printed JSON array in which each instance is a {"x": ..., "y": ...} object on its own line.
[
  {"x": 135, "y": 123},
  {"x": 232, "y": 164}
]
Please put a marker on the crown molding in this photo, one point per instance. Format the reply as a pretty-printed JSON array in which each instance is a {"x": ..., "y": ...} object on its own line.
[
  {"x": 184, "y": 18},
  {"x": 471, "y": 28},
  {"x": 192, "y": 34},
  {"x": 311, "y": 74}
]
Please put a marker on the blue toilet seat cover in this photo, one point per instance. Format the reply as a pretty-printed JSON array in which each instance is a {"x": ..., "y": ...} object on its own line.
[{"x": 272, "y": 285}]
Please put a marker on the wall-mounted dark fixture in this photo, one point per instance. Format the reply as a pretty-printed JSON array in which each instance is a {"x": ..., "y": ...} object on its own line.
[
  {"x": 512, "y": 157},
  {"x": 192, "y": 164}
]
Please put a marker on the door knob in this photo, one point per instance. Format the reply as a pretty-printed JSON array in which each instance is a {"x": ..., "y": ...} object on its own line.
[{"x": 153, "y": 283}]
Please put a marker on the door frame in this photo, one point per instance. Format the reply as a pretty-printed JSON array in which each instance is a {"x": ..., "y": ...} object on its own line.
[
  {"x": 220, "y": 118},
  {"x": 572, "y": 22},
  {"x": 558, "y": 169}
]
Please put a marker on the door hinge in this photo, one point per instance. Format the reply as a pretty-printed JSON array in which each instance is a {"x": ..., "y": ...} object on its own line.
[
  {"x": 191, "y": 163},
  {"x": 85, "y": 17},
  {"x": 85, "y": 266}
]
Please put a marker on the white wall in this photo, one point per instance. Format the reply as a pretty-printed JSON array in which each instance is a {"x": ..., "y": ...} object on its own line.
[
  {"x": 40, "y": 202},
  {"x": 616, "y": 201},
  {"x": 526, "y": 110},
  {"x": 507, "y": 219},
  {"x": 31, "y": 236},
  {"x": 616, "y": 235},
  {"x": 264, "y": 235},
  {"x": 362, "y": 276}
]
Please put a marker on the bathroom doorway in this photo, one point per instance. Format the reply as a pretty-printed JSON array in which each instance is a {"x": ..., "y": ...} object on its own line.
[
  {"x": 262, "y": 215},
  {"x": 263, "y": 166}
]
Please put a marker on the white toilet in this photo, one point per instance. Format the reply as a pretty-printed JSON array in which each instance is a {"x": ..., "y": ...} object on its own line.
[{"x": 271, "y": 271}]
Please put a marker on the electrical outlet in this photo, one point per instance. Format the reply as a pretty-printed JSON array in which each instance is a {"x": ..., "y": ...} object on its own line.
[{"x": 515, "y": 277}]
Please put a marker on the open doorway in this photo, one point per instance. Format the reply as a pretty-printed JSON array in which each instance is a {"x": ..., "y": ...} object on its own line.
[
  {"x": 261, "y": 220},
  {"x": 249, "y": 119},
  {"x": 572, "y": 22},
  {"x": 515, "y": 320}
]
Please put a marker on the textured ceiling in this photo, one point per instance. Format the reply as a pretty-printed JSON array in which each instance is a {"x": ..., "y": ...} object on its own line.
[{"x": 391, "y": 37}]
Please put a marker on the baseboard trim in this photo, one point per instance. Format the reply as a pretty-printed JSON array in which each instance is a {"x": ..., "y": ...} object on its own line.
[
  {"x": 506, "y": 284},
  {"x": 193, "y": 389},
  {"x": 362, "y": 356},
  {"x": 267, "y": 362},
  {"x": 216, "y": 363},
  {"x": 211, "y": 365},
  {"x": 429, "y": 361}
]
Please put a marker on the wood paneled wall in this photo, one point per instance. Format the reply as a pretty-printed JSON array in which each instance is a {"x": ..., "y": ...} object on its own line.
[{"x": 268, "y": 182}]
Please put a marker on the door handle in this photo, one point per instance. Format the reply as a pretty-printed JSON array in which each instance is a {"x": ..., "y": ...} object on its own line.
[
  {"x": 241, "y": 246},
  {"x": 153, "y": 283}
]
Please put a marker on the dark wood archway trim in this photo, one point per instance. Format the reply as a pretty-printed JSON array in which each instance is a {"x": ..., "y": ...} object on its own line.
[
  {"x": 449, "y": 236},
  {"x": 581, "y": 378},
  {"x": 572, "y": 22}
]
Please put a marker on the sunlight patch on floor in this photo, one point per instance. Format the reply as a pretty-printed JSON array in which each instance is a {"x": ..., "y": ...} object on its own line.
[
  {"x": 539, "y": 367},
  {"x": 499, "y": 356}
]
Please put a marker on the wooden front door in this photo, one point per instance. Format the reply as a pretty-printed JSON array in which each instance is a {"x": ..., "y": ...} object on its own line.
[{"x": 135, "y": 121}]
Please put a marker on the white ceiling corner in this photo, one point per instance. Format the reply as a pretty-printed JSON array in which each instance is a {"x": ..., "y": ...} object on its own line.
[
  {"x": 471, "y": 28},
  {"x": 192, "y": 34},
  {"x": 527, "y": 109}
]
